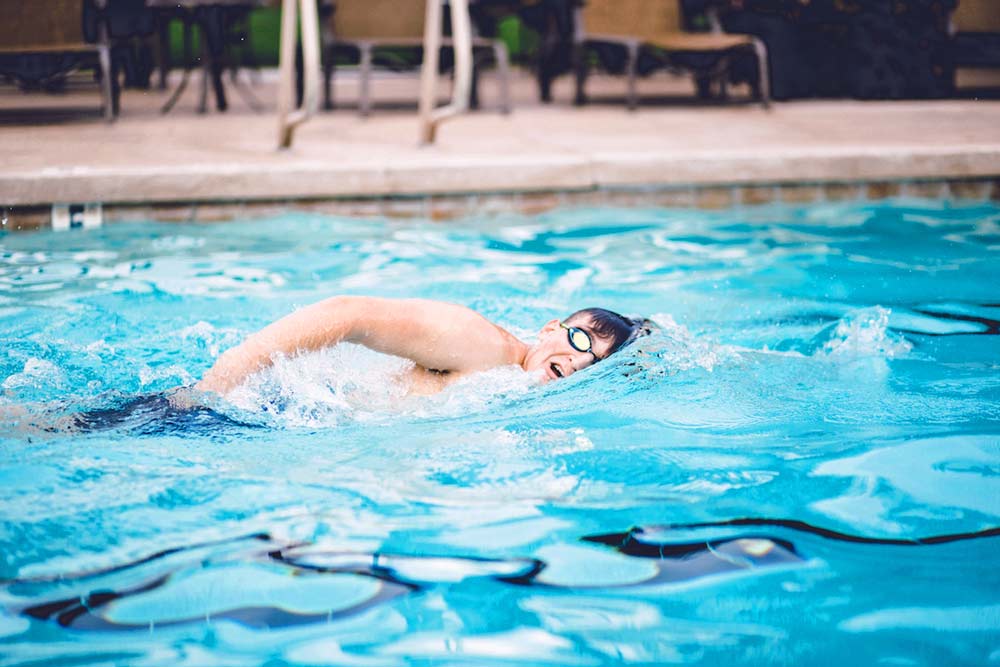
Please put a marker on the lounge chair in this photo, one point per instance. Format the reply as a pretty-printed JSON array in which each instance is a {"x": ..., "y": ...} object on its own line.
[
  {"x": 975, "y": 26},
  {"x": 367, "y": 25},
  {"x": 44, "y": 40},
  {"x": 650, "y": 31}
]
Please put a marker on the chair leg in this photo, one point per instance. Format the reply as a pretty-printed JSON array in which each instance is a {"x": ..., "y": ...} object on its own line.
[
  {"x": 632, "y": 99},
  {"x": 163, "y": 44},
  {"x": 116, "y": 88},
  {"x": 703, "y": 86},
  {"x": 188, "y": 65},
  {"x": 107, "y": 83},
  {"x": 474, "y": 89},
  {"x": 764, "y": 73},
  {"x": 580, "y": 67},
  {"x": 724, "y": 80},
  {"x": 215, "y": 70},
  {"x": 206, "y": 74},
  {"x": 328, "y": 67},
  {"x": 503, "y": 71},
  {"x": 365, "y": 72}
]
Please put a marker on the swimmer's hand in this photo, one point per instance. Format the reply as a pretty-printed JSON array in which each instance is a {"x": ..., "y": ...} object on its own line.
[{"x": 434, "y": 335}]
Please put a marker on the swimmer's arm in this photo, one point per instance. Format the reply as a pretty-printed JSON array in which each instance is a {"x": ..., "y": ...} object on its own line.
[{"x": 434, "y": 335}]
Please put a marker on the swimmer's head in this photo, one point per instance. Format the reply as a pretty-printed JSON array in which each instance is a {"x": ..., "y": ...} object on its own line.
[{"x": 582, "y": 339}]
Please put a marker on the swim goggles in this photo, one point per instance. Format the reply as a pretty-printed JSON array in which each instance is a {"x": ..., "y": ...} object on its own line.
[{"x": 580, "y": 340}]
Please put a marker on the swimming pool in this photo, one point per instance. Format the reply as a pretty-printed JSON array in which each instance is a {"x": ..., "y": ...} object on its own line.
[{"x": 749, "y": 485}]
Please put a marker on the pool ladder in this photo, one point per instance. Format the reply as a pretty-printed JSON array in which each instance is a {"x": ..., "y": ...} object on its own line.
[{"x": 303, "y": 12}]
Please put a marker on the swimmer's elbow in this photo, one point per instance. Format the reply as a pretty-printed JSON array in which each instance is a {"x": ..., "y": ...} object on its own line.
[
  {"x": 209, "y": 384},
  {"x": 216, "y": 380},
  {"x": 230, "y": 369}
]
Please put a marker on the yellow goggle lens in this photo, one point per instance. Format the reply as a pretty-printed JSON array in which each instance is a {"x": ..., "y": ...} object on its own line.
[{"x": 580, "y": 339}]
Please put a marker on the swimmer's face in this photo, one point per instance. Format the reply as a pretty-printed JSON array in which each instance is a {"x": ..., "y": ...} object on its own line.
[{"x": 555, "y": 357}]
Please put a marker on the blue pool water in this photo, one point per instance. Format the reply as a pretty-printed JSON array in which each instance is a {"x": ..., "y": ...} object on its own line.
[{"x": 802, "y": 467}]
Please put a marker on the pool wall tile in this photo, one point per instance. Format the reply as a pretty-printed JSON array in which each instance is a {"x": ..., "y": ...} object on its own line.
[
  {"x": 801, "y": 194},
  {"x": 267, "y": 209},
  {"x": 925, "y": 189},
  {"x": 533, "y": 203},
  {"x": 592, "y": 198},
  {"x": 355, "y": 208},
  {"x": 362, "y": 208},
  {"x": 24, "y": 218},
  {"x": 842, "y": 191},
  {"x": 674, "y": 198},
  {"x": 753, "y": 195},
  {"x": 494, "y": 203},
  {"x": 320, "y": 206},
  {"x": 130, "y": 213},
  {"x": 405, "y": 207},
  {"x": 175, "y": 213},
  {"x": 714, "y": 198},
  {"x": 218, "y": 212},
  {"x": 882, "y": 190},
  {"x": 626, "y": 197},
  {"x": 449, "y": 206},
  {"x": 977, "y": 190}
]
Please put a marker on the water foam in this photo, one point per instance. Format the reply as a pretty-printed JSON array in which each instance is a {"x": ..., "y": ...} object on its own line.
[
  {"x": 36, "y": 373},
  {"x": 351, "y": 383},
  {"x": 671, "y": 348},
  {"x": 865, "y": 333}
]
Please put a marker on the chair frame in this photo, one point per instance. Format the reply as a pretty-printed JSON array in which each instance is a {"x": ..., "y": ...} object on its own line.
[
  {"x": 985, "y": 39},
  {"x": 110, "y": 94},
  {"x": 366, "y": 48},
  {"x": 633, "y": 47}
]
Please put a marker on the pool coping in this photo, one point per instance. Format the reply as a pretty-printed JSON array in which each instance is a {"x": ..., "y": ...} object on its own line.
[
  {"x": 467, "y": 174},
  {"x": 218, "y": 168}
]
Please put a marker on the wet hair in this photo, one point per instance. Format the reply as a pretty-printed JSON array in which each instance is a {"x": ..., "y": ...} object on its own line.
[{"x": 611, "y": 326}]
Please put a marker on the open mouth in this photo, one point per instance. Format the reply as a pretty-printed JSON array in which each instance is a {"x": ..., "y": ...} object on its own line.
[{"x": 556, "y": 370}]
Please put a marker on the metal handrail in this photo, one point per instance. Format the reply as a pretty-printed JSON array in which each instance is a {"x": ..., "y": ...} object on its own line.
[
  {"x": 461, "y": 26},
  {"x": 294, "y": 13},
  {"x": 290, "y": 117}
]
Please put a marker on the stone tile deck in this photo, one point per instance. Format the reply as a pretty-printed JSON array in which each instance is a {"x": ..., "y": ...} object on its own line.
[{"x": 669, "y": 144}]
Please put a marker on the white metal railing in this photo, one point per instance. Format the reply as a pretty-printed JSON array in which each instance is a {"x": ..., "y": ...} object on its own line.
[
  {"x": 293, "y": 14},
  {"x": 303, "y": 12},
  {"x": 461, "y": 28}
]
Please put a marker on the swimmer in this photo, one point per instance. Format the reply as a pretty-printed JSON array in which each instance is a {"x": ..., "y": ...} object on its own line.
[{"x": 445, "y": 341}]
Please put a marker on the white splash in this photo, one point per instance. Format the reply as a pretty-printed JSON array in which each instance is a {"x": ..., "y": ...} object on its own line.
[
  {"x": 865, "y": 333},
  {"x": 350, "y": 382},
  {"x": 213, "y": 340},
  {"x": 36, "y": 373},
  {"x": 680, "y": 349}
]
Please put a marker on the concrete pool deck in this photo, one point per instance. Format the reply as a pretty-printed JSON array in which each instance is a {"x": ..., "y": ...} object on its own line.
[{"x": 692, "y": 154}]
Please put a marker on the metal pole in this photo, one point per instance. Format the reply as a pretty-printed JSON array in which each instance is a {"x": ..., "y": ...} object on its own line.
[
  {"x": 461, "y": 26},
  {"x": 288, "y": 117}
]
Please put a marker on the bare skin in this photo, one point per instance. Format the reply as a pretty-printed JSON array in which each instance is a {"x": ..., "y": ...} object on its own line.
[{"x": 445, "y": 342}]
